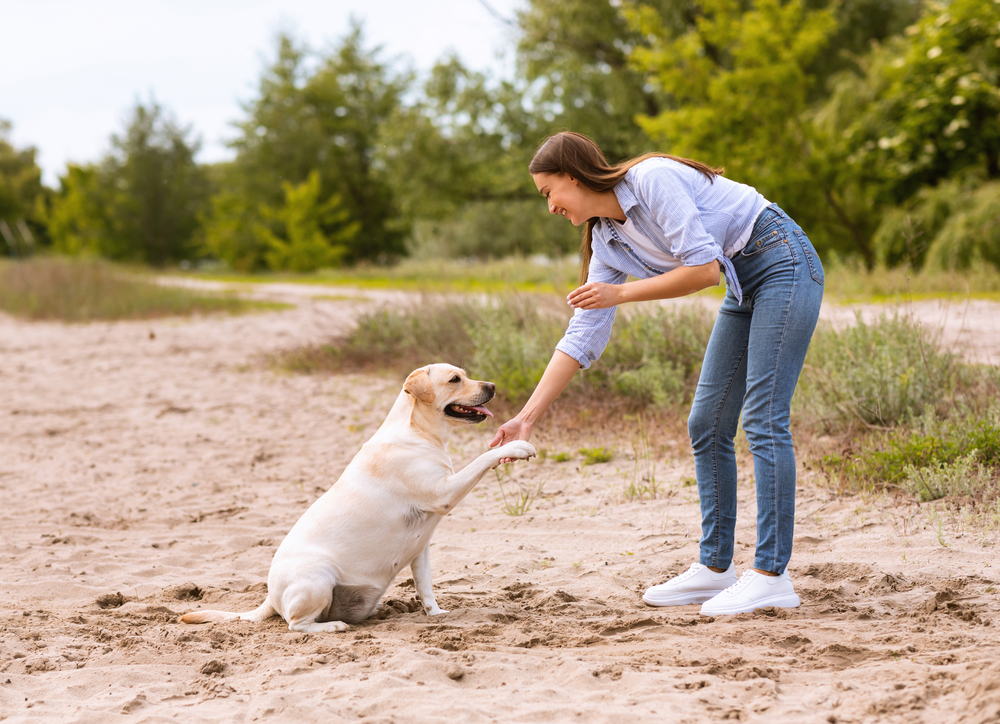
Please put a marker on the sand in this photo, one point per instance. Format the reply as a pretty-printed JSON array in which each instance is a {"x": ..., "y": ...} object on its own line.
[{"x": 151, "y": 468}]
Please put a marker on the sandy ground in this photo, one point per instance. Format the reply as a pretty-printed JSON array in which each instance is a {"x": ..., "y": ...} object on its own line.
[{"x": 147, "y": 469}]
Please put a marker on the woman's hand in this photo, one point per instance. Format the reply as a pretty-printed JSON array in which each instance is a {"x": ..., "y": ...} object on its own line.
[
  {"x": 513, "y": 429},
  {"x": 595, "y": 295}
]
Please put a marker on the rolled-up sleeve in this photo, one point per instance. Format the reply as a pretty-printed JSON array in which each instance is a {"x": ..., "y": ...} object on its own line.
[
  {"x": 590, "y": 329},
  {"x": 679, "y": 218}
]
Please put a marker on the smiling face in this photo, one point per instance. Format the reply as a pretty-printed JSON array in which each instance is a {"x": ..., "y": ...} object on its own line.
[{"x": 566, "y": 196}]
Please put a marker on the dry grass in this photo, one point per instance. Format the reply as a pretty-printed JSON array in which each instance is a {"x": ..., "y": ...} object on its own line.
[{"x": 84, "y": 290}]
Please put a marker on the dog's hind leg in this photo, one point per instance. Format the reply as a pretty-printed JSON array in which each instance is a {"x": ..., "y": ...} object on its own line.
[
  {"x": 304, "y": 604},
  {"x": 421, "y": 568}
]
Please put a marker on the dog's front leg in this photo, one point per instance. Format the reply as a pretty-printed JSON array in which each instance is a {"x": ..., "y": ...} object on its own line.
[
  {"x": 457, "y": 486},
  {"x": 421, "y": 568}
]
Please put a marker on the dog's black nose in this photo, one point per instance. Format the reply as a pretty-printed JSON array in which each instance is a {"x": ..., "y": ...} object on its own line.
[{"x": 490, "y": 386}]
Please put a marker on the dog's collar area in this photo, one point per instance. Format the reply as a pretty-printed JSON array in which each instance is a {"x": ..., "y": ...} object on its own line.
[{"x": 473, "y": 413}]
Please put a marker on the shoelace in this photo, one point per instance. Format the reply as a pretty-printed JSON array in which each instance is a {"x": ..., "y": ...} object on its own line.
[
  {"x": 744, "y": 581},
  {"x": 688, "y": 573}
]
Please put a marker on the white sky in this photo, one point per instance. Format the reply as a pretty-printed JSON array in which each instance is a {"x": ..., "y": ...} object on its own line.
[{"x": 71, "y": 70}]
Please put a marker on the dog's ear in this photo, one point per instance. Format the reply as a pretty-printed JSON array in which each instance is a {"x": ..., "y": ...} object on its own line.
[{"x": 419, "y": 385}]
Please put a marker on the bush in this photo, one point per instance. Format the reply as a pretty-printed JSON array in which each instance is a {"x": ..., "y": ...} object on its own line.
[
  {"x": 971, "y": 236},
  {"x": 896, "y": 458},
  {"x": 906, "y": 233},
  {"x": 954, "y": 226},
  {"x": 653, "y": 359},
  {"x": 512, "y": 342},
  {"x": 400, "y": 339},
  {"x": 881, "y": 375},
  {"x": 965, "y": 477}
]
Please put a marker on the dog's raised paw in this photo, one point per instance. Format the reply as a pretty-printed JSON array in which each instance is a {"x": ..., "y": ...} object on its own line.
[{"x": 518, "y": 449}]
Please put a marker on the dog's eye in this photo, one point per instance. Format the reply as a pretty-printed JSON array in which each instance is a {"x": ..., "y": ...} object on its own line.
[{"x": 455, "y": 379}]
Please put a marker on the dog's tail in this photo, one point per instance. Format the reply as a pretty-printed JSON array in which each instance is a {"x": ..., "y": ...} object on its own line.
[{"x": 266, "y": 610}]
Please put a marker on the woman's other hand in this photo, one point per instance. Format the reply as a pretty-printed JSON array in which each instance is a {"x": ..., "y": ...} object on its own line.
[{"x": 595, "y": 295}]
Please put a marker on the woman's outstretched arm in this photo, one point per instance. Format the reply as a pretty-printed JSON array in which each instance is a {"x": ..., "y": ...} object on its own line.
[{"x": 558, "y": 373}]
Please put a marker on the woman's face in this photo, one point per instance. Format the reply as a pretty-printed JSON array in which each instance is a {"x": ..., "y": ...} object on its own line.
[{"x": 566, "y": 196}]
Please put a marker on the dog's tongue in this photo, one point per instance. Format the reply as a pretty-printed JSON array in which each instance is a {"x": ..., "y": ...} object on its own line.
[{"x": 482, "y": 410}]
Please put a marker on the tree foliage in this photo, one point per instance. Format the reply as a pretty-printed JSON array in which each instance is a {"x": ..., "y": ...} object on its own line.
[
  {"x": 933, "y": 102},
  {"x": 22, "y": 196},
  {"x": 302, "y": 245},
  {"x": 141, "y": 202},
  {"x": 872, "y": 122},
  {"x": 319, "y": 114}
]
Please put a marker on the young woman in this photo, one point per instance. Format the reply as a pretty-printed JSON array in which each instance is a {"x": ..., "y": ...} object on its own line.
[{"x": 673, "y": 224}]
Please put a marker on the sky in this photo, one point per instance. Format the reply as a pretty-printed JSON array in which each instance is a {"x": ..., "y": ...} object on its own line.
[{"x": 70, "y": 71}]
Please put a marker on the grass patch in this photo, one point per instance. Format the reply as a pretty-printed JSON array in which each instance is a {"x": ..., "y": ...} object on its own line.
[
  {"x": 892, "y": 459},
  {"x": 653, "y": 360},
  {"x": 849, "y": 283},
  {"x": 439, "y": 275},
  {"x": 878, "y": 375},
  {"x": 846, "y": 282},
  {"x": 595, "y": 455},
  {"x": 84, "y": 290}
]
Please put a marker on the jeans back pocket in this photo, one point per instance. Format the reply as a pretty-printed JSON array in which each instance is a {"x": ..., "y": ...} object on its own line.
[{"x": 812, "y": 258}]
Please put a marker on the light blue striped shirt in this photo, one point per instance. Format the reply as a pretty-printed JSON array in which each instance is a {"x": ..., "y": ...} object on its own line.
[{"x": 685, "y": 215}]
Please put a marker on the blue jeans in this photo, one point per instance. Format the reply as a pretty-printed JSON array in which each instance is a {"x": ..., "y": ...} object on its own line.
[{"x": 752, "y": 365}]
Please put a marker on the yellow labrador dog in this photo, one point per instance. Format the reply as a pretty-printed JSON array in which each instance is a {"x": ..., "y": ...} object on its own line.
[{"x": 338, "y": 559}]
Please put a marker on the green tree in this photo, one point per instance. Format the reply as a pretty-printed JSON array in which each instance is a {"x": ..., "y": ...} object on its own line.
[
  {"x": 141, "y": 202},
  {"x": 323, "y": 114},
  {"x": 228, "y": 228},
  {"x": 161, "y": 188},
  {"x": 304, "y": 246},
  {"x": 738, "y": 95},
  {"x": 80, "y": 218},
  {"x": 575, "y": 56},
  {"x": 931, "y": 102},
  {"x": 458, "y": 156},
  {"x": 22, "y": 195}
]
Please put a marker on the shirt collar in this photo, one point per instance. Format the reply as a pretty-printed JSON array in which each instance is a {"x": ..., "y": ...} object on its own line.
[{"x": 626, "y": 199}]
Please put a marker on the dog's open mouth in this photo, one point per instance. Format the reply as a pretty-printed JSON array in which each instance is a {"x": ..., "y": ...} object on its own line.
[{"x": 473, "y": 413}]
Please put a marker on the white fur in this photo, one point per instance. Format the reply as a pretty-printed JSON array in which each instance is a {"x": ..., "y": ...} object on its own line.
[{"x": 341, "y": 555}]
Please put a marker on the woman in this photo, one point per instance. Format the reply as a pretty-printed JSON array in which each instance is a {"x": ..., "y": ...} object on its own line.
[{"x": 673, "y": 224}]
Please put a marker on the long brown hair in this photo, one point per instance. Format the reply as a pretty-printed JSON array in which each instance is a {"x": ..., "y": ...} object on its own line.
[{"x": 578, "y": 156}]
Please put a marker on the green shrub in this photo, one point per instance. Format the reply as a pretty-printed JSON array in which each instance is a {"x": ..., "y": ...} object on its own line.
[
  {"x": 972, "y": 235},
  {"x": 963, "y": 477},
  {"x": 653, "y": 358},
  {"x": 892, "y": 459},
  {"x": 512, "y": 339},
  {"x": 881, "y": 375},
  {"x": 906, "y": 233},
  {"x": 953, "y": 226},
  {"x": 595, "y": 455}
]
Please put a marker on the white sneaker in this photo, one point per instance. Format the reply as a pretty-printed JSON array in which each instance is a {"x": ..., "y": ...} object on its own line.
[
  {"x": 754, "y": 590},
  {"x": 696, "y": 585}
]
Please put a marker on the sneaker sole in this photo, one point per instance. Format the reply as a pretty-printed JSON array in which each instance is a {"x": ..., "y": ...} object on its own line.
[
  {"x": 782, "y": 601},
  {"x": 680, "y": 599}
]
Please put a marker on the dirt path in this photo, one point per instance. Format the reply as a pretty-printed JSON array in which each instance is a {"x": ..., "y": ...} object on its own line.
[{"x": 158, "y": 461}]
